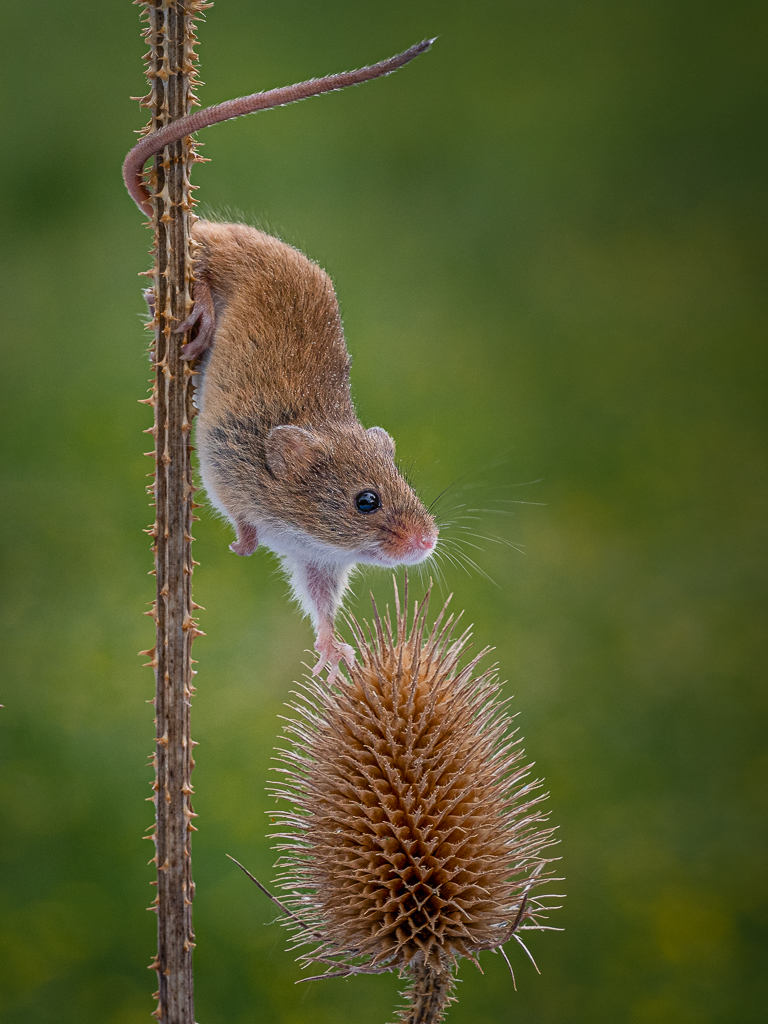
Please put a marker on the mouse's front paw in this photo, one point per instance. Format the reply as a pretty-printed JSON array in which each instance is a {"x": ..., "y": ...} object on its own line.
[
  {"x": 331, "y": 653},
  {"x": 247, "y": 539}
]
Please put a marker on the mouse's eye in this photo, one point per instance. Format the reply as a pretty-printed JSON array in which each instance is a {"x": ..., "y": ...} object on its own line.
[{"x": 367, "y": 501}]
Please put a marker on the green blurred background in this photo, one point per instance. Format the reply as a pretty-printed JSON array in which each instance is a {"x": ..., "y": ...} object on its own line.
[{"x": 548, "y": 240}]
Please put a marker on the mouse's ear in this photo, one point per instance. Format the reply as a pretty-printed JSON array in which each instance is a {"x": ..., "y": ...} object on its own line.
[
  {"x": 380, "y": 435},
  {"x": 289, "y": 449}
]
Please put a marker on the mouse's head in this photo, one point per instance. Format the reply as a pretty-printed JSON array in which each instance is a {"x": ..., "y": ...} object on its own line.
[{"x": 343, "y": 489}]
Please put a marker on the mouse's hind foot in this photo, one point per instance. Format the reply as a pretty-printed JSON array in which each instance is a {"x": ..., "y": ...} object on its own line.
[
  {"x": 204, "y": 315},
  {"x": 332, "y": 653}
]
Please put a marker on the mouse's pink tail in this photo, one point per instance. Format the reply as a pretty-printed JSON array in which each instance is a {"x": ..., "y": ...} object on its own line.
[{"x": 133, "y": 167}]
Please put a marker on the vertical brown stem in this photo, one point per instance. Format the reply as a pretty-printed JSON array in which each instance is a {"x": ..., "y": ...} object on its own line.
[
  {"x": 429, "y": 996},
  {"x": 170, "y": 70}
]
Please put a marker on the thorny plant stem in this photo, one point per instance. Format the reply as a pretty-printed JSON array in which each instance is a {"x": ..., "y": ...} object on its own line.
[
  {"x": 429, "y": 996},
  {"x": 170, "y": 70}
]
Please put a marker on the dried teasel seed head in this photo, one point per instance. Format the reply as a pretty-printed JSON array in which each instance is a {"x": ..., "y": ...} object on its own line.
[{"x": 415, "y": 835}]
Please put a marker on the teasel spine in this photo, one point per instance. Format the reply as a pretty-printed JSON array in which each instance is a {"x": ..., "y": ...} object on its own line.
[{"x": 171, "y": 72}]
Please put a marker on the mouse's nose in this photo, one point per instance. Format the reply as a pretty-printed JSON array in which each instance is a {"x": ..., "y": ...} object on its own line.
[
  {"x": 413, "y": 546},
  {"x": 425, "y": 541}
]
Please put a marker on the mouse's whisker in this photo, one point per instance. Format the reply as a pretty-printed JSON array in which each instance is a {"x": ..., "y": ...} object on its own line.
[
  {"x": 454, "y": 561},
  {"x": 517, "y": 501},
  {"x": 444, "y": 521},
  {"x": 433, "y": 504},
  {"x": 438, "y": 569},
  {"x": 493, "y": 540},
  {"x": 460, "y": 557},
  {"x": 468, "y": 543},
  {"x": 461, "y": 561},
  {"x": 461, "y": 486}
]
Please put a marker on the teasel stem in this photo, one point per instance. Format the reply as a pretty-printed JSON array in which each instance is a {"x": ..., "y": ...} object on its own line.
[
  {"x": 430, "y": 995},
  {"x": 171, "y": 73}
]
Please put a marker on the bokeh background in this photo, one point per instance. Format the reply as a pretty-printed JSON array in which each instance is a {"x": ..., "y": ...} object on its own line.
[{"x": 548, "y": 240}]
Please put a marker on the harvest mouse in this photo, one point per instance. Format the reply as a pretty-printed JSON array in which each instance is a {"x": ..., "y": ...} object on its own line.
[{"x": 282, "y": 453}]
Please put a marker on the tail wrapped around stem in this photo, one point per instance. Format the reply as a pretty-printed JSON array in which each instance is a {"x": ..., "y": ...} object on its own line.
[{"x": 133, "y": 167}]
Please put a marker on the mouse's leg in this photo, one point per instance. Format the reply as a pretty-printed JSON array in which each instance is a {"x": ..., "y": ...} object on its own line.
[
  {"x": 247, "y": 539},
  {"x": 325, "y": 586},
  {"x": 204, "y": 313}
]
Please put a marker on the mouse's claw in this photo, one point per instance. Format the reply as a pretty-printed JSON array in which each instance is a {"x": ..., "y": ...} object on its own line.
[
  {"x": 331, "y": 654},
  {"x": 321, "y": 663}
]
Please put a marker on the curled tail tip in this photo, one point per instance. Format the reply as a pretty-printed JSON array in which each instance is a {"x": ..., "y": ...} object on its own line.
[{"x": 418, "y": 48}]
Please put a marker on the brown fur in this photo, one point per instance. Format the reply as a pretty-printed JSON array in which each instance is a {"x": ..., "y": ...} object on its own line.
[
  {"x": 279, "y": 358},
  {"x": 282, "y": 452}
]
